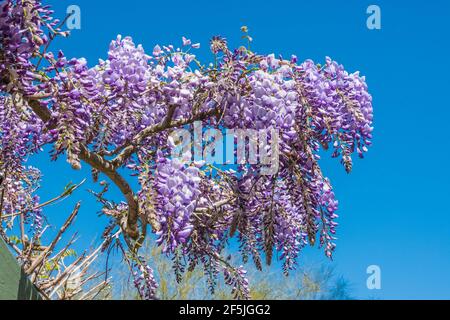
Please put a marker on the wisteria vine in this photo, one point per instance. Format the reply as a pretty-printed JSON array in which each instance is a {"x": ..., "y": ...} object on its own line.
[{"x": 118, "y": 114}]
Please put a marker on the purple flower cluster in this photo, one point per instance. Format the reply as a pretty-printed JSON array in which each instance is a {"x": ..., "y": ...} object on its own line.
[
  {"x": 143, "y": 279},
  {"x": 20, "y": 136},
  {"x": 177, "y": 189},
  {"x": 73, "y": 108},
  {"x": 121, "y": 81},
  {"x": 20, "y": 132},
  {"x": 37, "y": 218},
  {"x": 21, "y": 37},
  {"x": 236, "y": 278},
  {"x": 338, "y": 107},
  {"x": 289, "y": 231},
  {"x": 18, "y": 190}
]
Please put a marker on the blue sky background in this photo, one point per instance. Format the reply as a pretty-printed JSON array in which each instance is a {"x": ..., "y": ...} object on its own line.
[{"x": 394, "y": 209}]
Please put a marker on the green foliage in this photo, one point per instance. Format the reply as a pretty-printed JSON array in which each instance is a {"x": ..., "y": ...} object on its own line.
[{"x": 14, "y": 239}]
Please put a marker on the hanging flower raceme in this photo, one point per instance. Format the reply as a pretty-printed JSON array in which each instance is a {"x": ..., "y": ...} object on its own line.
[
  {"x": 20, "y": 136},
  {"x": 73, "y": 108},
  {"x": 237, "y": 280},
  {"x": 177, "y": 188},
  {"x": 143, "y": 279},
  {"x": 22, "y": 37},
  {"x": 18, "y": 195}
]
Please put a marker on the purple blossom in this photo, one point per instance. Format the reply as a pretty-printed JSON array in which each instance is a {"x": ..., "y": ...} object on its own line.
[
  {"x": 177, "y": 188},
  {"x": 143, "y": 279}
]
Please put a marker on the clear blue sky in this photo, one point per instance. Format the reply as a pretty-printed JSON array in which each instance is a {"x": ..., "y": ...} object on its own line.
[{"x": 393, "y": 207}]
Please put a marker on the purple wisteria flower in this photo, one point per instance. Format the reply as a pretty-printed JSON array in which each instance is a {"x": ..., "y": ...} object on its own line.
[{"x": 177, "y": 189}]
